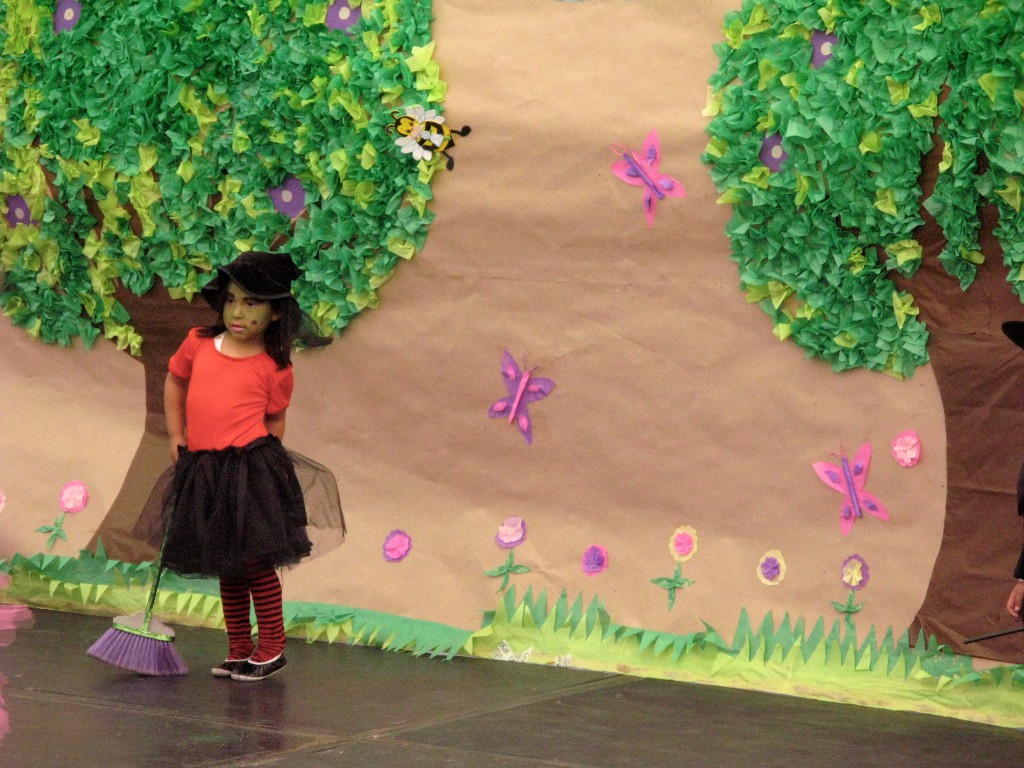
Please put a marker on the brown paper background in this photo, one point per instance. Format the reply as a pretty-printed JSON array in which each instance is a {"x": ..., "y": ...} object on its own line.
[{"x": 674, "y": 403}]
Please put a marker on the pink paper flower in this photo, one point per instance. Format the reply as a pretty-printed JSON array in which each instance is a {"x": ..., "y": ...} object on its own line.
[
  {"x": 683, "y": 544},
  {"x": 73, "y": 497},
  {"x": 771, "y": 569},
  {"x": 855, "y": 572},
  {"x": 511, "y": 532},
  {"x": 13, "y": 618},
  {"x": 906, "y": 448},
  {"x": 397, "y": 546},
  {"x": 594, "y": 560}
]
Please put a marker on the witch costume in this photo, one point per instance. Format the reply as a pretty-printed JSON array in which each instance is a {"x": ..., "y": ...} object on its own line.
[{"x": 237, "y": 499}]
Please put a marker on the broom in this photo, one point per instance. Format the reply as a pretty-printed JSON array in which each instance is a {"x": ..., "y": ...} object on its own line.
[{"x": 139, "y": 642}]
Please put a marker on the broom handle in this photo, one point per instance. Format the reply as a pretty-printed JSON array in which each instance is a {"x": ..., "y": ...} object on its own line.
[{"x": 151, "y": 601}]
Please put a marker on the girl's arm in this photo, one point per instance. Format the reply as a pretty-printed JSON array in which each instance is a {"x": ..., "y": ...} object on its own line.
[
  {"x": 275, "y": 424},
  {"x": 175, "y": 390}
]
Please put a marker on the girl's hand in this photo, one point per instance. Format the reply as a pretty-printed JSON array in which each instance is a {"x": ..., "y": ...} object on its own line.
[
  {"x": 175, "y": 445},
  {"x": 1013, "y": 603}
]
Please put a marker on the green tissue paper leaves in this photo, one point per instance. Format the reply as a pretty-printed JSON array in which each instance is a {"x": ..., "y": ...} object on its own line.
[
  {"x": 854, "y": 90},
  {"x": 140, "y": 143}
]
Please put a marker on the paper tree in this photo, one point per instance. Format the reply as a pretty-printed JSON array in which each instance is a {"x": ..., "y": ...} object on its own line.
[
  {"x": 138, "y": 156},
  {"x": 820, "y": 121}
]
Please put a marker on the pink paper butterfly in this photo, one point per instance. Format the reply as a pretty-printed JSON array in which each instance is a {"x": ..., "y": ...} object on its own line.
[
  {"x": 643, "y": 170},
  {"x": 523, "y": 389},
  {"x": 849, "y": 480}
]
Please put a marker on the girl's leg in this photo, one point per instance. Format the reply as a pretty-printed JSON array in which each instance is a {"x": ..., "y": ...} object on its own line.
[
  {"x": 234, "y": 597},
  {"x": 265, "y": 587}
]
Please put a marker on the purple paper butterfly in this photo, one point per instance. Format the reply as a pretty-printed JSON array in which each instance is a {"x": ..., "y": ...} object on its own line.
[
  {"x": 523, "y": 389},
  {"x": 849, "y": 480},
  {"x": 644, "y": 170}
]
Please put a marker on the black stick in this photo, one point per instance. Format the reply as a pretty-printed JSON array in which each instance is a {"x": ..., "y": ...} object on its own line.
[{"x": 995, "y": 634}]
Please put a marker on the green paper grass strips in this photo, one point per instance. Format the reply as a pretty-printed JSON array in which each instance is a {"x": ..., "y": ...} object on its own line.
[
  {"x": 141, "y": 142},
  {"x": 827, "y": 661}
]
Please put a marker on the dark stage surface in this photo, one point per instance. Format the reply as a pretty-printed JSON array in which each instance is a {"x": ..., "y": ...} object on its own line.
[{"x": 336, "y": 705}]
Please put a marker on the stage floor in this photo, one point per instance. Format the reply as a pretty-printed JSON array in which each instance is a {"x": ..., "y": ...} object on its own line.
[{"x": 336, "y": 705}]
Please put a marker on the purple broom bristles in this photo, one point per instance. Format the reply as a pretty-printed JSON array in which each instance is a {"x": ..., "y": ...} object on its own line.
[
  {"x": 141, "y": 644},
  {"x": 138, "y": 654}
]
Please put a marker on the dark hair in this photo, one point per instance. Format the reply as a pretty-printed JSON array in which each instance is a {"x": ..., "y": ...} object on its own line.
[{"x": 282, "y": 333}]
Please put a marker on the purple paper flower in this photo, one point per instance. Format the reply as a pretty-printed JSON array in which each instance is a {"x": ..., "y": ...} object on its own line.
[
  {"x": 397, "y": 546},
  {"x": 771, "y": 569},
  {"x": 595, "y": 559},
  {"x": 822, "y": 44},
  {"x": 772, "y": 154},
  {"x": 511, "y": 532},
  {"x": 855, "y": 572},
  {"x": 66, "y": 15},
  {"x": 290, "y": 198},
  {"x": 17, "y": 211},
  {"x": 341, "y": 15}
]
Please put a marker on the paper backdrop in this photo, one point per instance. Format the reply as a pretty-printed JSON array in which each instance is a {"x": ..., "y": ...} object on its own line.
[{"x": 674, "y": 405}]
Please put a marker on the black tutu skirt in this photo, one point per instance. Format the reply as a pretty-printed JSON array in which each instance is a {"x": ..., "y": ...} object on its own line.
[{"x": 219, "y": 513}]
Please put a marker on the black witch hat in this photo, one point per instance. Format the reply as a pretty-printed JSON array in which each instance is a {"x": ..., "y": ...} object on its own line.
[
  {"x": 267, "y": 276},
  {"x": 261, "y": 274}
]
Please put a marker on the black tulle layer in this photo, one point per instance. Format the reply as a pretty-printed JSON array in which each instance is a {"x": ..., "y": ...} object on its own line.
[{"x": 259, "y": 505}]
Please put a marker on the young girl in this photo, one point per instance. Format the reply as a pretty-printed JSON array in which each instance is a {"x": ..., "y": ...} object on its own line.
[{"x": 236, "y": 504}]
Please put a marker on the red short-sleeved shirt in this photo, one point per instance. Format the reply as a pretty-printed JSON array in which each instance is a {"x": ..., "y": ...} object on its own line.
[{"x": 228, "y": 397}]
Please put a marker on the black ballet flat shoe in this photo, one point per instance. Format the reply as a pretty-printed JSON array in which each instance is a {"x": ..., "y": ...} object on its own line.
[
  {"x": 252, "y": 672},
  {"x": 228, "y": 667}
]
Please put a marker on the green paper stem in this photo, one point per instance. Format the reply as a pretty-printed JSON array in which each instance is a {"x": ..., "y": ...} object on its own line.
[
  {"x": 672, "y": 583},
  {"x": 56, "y": 531},
  {"x": 505, "y": 571}
]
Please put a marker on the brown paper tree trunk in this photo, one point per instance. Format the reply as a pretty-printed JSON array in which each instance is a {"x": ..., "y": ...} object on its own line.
[
  {"x": 163, "y": 323},
  {"x": 980, "y": 374}
]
